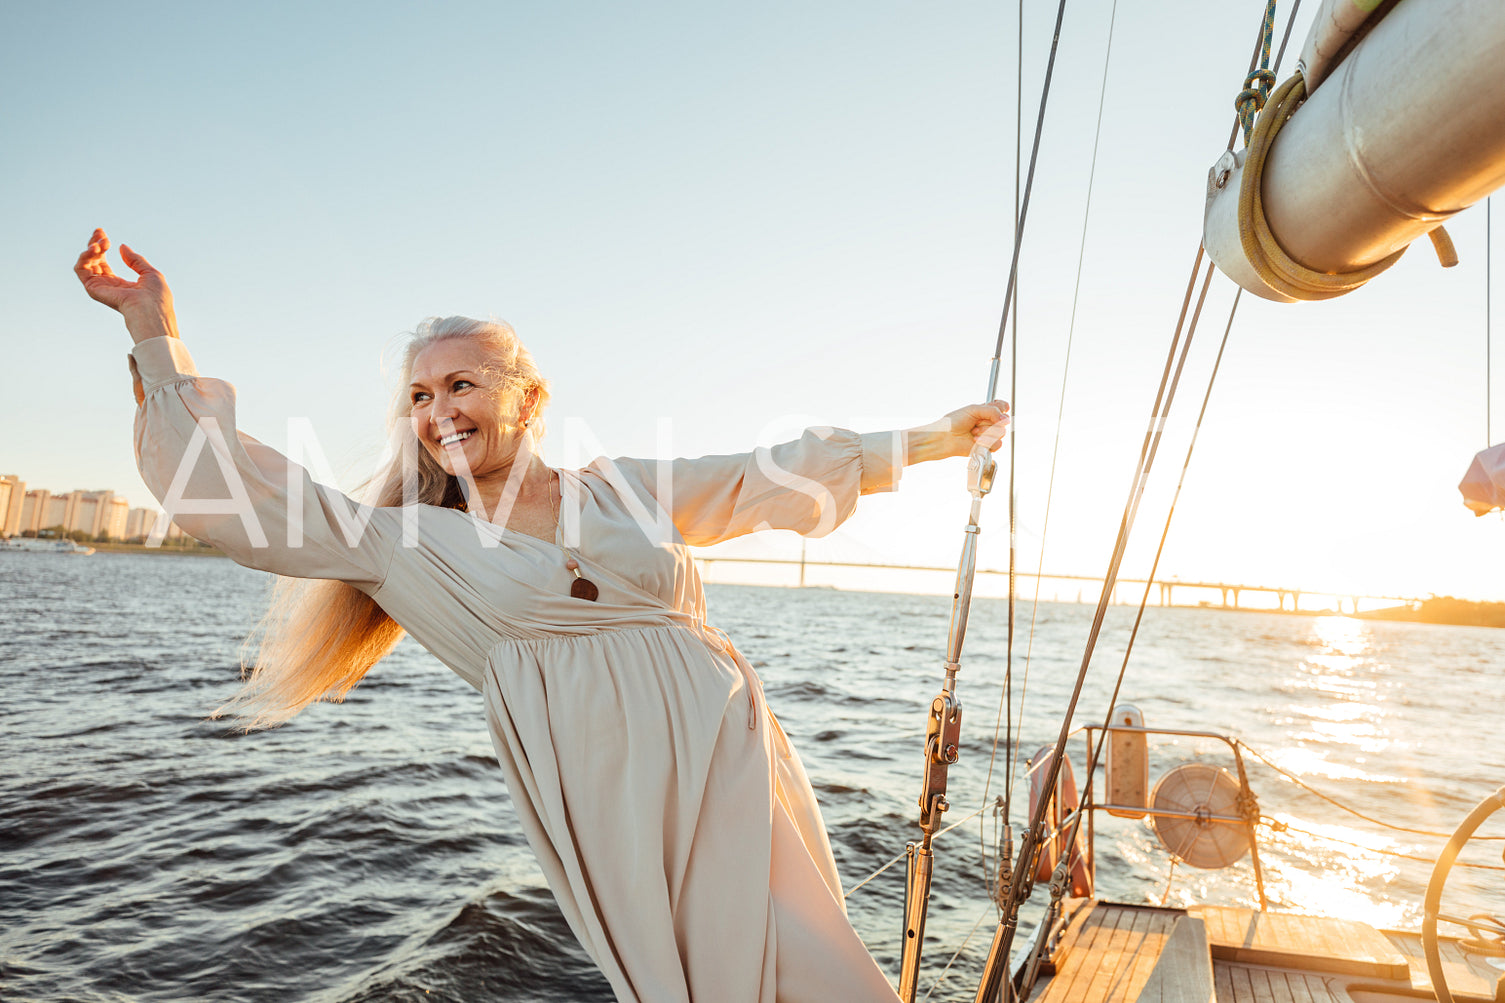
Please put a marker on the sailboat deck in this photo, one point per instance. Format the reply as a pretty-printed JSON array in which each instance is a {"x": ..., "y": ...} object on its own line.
[
  {"x": 1236, "y": 983},
  {"x": 1114, "y": 953},
  {"x": 1468, "y": 975},
  {"x": 1113, "y": 949},
  {"x": 1310, "y": 943}
]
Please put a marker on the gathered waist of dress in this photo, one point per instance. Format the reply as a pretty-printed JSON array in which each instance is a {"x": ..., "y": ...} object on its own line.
[{"x": 714, "y": 638}]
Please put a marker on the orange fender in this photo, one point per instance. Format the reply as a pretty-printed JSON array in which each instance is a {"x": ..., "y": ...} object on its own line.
[{"x": 1066, "y": 800}]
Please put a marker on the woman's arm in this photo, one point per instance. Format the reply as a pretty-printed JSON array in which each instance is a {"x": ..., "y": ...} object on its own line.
[
  {"x": 810, "y": 485},
  {"x": 220, "y": 485}
]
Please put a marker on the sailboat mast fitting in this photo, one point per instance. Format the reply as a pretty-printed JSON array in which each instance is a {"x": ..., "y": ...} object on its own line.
[
  {"x": 982, "y": 471},
  {"x": 943, "y": 730}
]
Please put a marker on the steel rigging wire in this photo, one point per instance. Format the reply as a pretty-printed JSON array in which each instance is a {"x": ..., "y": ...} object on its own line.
[
  {"x": 993, "y": 980},
  {"x": 1260, "y": 54},
  {"x": 944, "y": 720},
  {"x": 1005, "y": 714}
]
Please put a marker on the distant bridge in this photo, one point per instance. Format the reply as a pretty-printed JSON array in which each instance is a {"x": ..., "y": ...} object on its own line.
[{"x": 1287, "y": 598}]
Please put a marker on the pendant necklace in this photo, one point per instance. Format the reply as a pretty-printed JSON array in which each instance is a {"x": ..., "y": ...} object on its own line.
[{"x": 581, "y": 587}]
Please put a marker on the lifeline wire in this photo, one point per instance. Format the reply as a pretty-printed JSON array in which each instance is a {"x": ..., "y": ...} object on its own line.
[
  {"x": 1008, "y": 299},
  {"x": 1014, "y": 402},
  {"x": 970, "y": 934},
  {"x": 1352, "y": 811},
  {"x": 1008, "y": 658},
  {"x": 953, "y": 825},
  {"x": 1391, "y": 853}
]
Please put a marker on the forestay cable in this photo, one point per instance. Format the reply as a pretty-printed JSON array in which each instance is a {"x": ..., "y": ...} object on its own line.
[
  {"x": 995, "y": 972},
  {"x": 1059, "y": 752},
  {"x": 1005, "y": 700}
]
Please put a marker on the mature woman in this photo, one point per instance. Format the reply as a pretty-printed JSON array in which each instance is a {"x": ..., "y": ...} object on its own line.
[{"x": 673, "y": 819}]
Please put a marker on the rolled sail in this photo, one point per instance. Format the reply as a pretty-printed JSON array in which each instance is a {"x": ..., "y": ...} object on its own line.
[{"x": 1402, "y": 129}]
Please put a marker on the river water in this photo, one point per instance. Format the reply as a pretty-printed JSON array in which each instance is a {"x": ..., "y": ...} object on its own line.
[{"x": 368, "y": 851}]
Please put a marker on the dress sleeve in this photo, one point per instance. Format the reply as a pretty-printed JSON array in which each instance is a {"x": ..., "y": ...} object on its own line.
[
  {"x": 809, "y": 485},
  {"x": 225, "y": 488}
]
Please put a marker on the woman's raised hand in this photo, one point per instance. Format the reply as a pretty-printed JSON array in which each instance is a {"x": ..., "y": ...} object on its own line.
[
  {"x": 146, "y": 303},
  {"x": 958, "y": 433},
  {"x": 977, "y": 425}
]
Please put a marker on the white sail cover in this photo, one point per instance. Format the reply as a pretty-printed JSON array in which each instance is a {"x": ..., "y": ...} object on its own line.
[{"x": 1483, "y": 486}]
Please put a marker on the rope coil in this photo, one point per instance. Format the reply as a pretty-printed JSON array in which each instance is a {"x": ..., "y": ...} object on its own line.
[{"x": 1269, "y": 260}]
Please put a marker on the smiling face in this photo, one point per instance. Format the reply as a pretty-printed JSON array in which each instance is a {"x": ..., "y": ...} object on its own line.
[{"x": 462, "y": 411}]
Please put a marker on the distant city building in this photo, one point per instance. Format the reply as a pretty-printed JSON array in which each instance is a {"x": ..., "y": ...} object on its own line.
[
  {"x": 61, "y": 510},
  {"x": 12, "y": 498},
  {"x": 139, "y": 523},
  {"x": 117, "y": 511},
  {"x": 34, "y": 511},
  {"x": 93, "y": 513},
  {"x": 87, "y": 514}
]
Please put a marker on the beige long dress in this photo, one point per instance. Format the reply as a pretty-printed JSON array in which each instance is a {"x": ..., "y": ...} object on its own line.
[{"x": 672, "y": 818}]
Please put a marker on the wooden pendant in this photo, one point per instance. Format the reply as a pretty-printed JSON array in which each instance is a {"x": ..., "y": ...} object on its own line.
[{"x": 581, "y": 587}]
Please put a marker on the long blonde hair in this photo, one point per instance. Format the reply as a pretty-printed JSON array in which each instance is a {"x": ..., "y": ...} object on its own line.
[{"x": 319, "y": 638}]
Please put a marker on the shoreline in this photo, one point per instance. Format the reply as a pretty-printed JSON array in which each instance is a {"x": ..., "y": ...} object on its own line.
[
  {"x": 166, "y": 549},
  {"x": 1440, "y": 610}
]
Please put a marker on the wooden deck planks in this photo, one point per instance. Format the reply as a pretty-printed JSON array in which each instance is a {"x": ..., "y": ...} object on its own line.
[
  {"x": 1073, "y": 968},
  {"x": 1259, "y": 980},
  {"x": 1183, "y": 972},
  {"x": 1240, "y": 983},
  {"x": 1107, "y": 961},
  {"x": 1109, "y": 956},
  {"x": 1467, "y": 977},
  {"x": 1301, "y": 989},
  {"x": 1316, "y": 943},
  {"x": 1222, "y": 982},
  {"x": 1157, "y": 928}
]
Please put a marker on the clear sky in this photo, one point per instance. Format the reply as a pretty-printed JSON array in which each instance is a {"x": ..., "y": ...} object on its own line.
[{"x": 715, "y": 224}]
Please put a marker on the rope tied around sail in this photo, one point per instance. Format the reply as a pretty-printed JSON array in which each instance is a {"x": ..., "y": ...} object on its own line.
[
  {"x": 1259, "y": 81},
  {"x": 1269, "y": 260},
  {"x": 1251, "y": 100}
]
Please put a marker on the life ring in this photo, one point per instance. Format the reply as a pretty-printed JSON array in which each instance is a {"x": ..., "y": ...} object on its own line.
[{"x": 1066, "y": 800}]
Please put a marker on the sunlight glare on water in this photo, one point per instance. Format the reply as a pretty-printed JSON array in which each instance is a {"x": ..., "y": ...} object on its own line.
[
  {"x": 1339, "y": 883},
  {"x": 1343, "y": 670},
  {"x": 1343, "y": 634}
]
